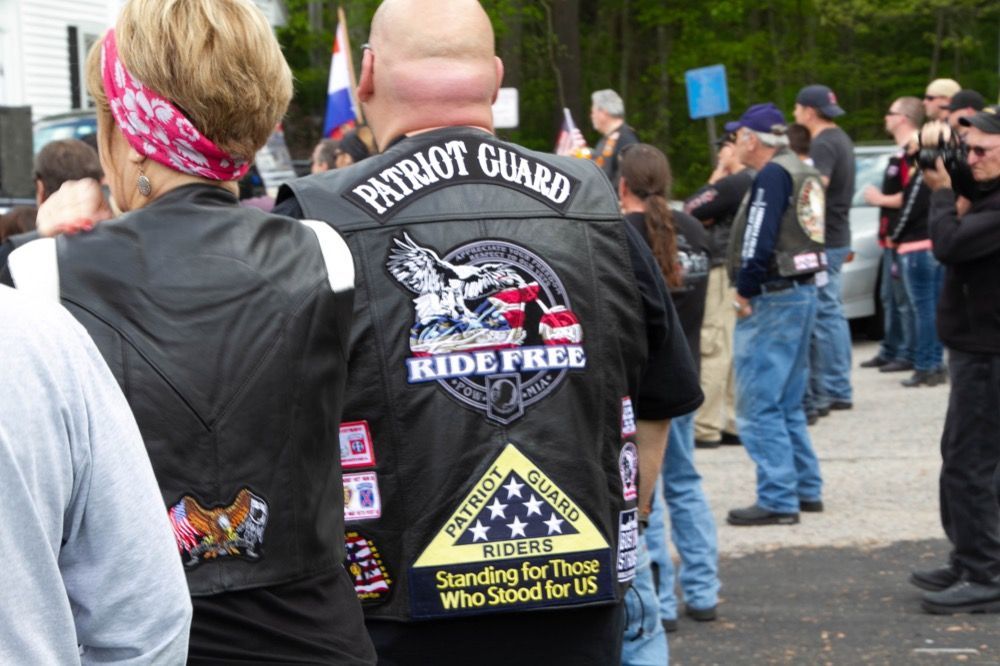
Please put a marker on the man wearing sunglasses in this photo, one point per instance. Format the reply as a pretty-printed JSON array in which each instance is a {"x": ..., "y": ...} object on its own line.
[
  {"x": 968, "y": 244},
  {"x": 938, "y": 96}
]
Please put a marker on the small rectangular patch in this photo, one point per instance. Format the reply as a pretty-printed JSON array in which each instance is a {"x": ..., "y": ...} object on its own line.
[
  {"x": 372, "y": 582},
  {"x": 356, "y": 448},
  {"x": 806, "y": 261},
  {"x": 628, "y": 418},
  {"x": 362, "y": 500},
  {"x": 628, "y": 544}
]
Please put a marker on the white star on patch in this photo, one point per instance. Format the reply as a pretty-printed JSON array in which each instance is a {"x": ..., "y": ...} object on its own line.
[
  {"x": 555, "y": 524},
  {"x": 534, "y": 505},
  {"x": 497, "y": 509},
  {"x": 513, "y": 488},
  {"x": 479, "y": 532},
  {"x": 516, "y": 527}
]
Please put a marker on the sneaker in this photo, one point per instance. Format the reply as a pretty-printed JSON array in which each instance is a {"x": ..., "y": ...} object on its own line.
[
  {"x": 812, "y": 417},
  {"x": 875, "y": 362},
  {"x": 965, "y": 596},
  {"x": 731, "y": 439},
  {"x": 707, "y": 443},
  {"x": 918, "y": 378},
  {"x": 811, "y": 506},
  {"x": 669, "y": 625},
  {"x": 824, "y": 410},
  {"x": 935, "y": 377},
  {"x": 935, "y": 580},
  {"x": 897, "y": 366},
  {"x": 701, "y": 614},
  {"x": 756, "y": 515},
  {"x": 840, "y": 405}
]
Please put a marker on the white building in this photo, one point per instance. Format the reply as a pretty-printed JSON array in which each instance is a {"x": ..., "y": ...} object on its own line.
[{"x": 44, "y": 44}]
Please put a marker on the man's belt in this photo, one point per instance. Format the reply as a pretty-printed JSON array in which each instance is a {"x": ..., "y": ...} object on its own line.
[{"x": 784, "y": 284}]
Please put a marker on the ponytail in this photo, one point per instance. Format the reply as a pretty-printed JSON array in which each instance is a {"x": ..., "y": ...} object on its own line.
[{"x": 659, "y": 221}]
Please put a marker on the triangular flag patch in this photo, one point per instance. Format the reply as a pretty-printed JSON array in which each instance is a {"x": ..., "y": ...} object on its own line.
[{"x": 515, "y": 540}]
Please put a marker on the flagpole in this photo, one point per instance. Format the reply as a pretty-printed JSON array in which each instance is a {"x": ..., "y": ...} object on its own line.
[{"x": 342, "y": 21}]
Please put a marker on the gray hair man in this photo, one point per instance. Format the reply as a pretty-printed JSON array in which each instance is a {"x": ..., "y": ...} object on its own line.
[{"x": 607, "y": 115}]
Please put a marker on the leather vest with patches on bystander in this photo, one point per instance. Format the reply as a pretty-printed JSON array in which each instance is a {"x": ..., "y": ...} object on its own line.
[
  {"x": 228, "y": 337},
  {"x": 800, "y": 250},
  {"x": 498, "y": 338}
]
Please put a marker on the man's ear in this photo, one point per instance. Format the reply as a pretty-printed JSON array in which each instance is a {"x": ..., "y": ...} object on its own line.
[
  {"x": 39, "y": 192},
  {"x": 366, "y": 84},
  {"x": 498, "y": 64}
]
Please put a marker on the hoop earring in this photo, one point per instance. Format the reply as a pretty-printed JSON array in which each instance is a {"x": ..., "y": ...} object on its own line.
[{"x": 143, "y": 184}]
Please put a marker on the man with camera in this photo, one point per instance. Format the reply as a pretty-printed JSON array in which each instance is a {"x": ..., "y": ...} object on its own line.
[{"x": 965, "y": 229}]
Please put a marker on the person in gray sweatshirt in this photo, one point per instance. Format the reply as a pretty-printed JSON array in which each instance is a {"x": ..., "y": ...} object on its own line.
[{"x": 91, "y": 572}]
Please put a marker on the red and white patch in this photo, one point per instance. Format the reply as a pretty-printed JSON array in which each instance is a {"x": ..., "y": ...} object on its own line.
[
  {"x": 362, "y": 499},
  {"x": 628, "y": 418},
  {"x": 356, "y": 447}
]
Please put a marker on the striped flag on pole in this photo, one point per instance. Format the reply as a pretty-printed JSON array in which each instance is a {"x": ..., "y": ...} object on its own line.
[
  {"x": 341, "y": 108},
  {"x": 570, "y": 139}
]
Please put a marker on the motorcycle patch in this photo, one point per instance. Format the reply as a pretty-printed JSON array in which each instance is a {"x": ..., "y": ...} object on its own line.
[
  {"x": 493, "y": 325},
  {"x": 628, "y": 418},
  {"x": 364, "y": 563},
  {"x": 362, "y": 500},
  {"x": 628, "y": 467},
  {"x": 356, "y": 449},
  {"x": 206, "y": 534},
  {"x": 628, "y": 544},
  {"x": 516, "y": 540}
]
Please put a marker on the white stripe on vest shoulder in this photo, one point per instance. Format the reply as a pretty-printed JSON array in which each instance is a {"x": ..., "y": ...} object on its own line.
[
  {"x": 35, "y": 269},
  {"x": 336, "y": 255}
]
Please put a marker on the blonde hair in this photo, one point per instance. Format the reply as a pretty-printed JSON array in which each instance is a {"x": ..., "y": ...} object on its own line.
[{"x": 217, "y": 61}]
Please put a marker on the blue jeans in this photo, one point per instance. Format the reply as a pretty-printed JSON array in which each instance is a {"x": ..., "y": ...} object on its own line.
[
  {"x": 645, "y": 641},
  {"x": 830, "y": 355},
  {"x": 769, "y": 359},
  {"x": 922, "y": 275},
  {"x": 898, "y": 341},
  {"x": 692, "y": 527}
]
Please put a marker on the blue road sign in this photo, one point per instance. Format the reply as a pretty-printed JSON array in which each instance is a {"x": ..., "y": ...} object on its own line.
[{"x": 707, "y": 92}]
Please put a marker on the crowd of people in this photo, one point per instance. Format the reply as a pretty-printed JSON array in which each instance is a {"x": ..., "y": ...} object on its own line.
[{"x": 448, "y": 390}]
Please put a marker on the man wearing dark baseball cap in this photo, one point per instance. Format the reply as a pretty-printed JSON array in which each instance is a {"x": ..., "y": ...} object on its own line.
[
  {"x": 775, "y": 251},
  {"x": 832, "y": 153},
  {"x": 963, "y": 104},
  {"x": 969, "y": 248}
]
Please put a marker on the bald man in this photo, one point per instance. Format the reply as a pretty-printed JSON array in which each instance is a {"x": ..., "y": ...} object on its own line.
[{"x": 495, "y": 445}]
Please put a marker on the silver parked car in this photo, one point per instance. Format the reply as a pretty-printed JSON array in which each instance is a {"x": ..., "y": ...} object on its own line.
[{"x": 860, "y": 279}]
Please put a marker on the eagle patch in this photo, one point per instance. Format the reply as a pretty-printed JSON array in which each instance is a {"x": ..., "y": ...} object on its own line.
[
  {"x": 204, "y": 534},
  {"x": 492, "y": 325}
]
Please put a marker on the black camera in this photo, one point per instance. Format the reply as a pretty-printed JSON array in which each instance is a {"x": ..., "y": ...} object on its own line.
[{"x": 950, "y": 149}]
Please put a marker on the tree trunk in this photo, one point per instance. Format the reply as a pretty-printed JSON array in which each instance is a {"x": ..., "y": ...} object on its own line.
[
  {"x": 938, "y": 37},
  {"x": 565, "y": 29}
]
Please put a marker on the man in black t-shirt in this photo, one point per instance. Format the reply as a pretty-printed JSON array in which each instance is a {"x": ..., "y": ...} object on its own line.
[
  {"x": 715, "y": 204},
  {"x": 832, "y": 153},
  {"x": 607, "y": 114}
]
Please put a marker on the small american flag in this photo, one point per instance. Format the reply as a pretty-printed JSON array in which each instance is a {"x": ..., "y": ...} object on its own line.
[
  {"x": 186, "y": 535},
  {"x": 369, "y": 577},
  {"x": 570, "y": 138}
]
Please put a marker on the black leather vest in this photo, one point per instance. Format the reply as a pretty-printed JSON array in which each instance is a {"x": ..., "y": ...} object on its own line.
[
  {"x": 800, "y": 249},
  {"x": 498, "y": 336},
  {"x": 222, "y": 328}
]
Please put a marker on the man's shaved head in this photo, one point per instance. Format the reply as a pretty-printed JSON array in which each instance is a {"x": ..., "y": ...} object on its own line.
[{"x": 432, "y": 64}]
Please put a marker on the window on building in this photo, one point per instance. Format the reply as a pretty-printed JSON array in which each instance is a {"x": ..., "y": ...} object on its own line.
[{"x": 81, "y": 39}]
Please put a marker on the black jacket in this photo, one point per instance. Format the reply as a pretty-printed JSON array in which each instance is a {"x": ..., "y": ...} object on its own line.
[
  {"x": 968, "y": 317},
  {"x": 224, "y": 330},
  {"x": 498, "y": 347}
]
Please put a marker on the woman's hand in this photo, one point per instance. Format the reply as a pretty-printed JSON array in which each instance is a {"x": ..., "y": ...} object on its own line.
[{"x": 76, "y": 206}]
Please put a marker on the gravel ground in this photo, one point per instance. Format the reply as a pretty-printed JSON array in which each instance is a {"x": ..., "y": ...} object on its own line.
[
  {"x": 833, "y": 590},
  {"x": 879, "y": 460}
]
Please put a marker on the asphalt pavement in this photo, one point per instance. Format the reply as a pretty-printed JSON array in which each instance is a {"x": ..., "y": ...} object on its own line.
[{"x": 833, "y": 589}]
